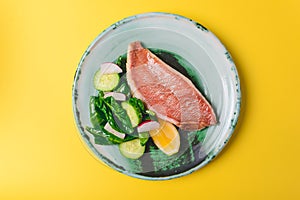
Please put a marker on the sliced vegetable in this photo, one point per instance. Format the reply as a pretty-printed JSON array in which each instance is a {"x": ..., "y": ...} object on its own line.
[
  {"x": 113, "y": 131},
  {"x": 166, "y": 138},
  {"x": 117, "y": 95},
  {"x": 148, "y": 125},
  {"x": 110, "y": 68},
  {"x": 132, "y": 149},
  {"x": 133, "y": 113},
  {"x": 106, "y": 82}
]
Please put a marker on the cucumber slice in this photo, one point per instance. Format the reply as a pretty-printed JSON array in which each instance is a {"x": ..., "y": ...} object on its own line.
[
  {"x": 133, "y": 113},
  {"x": 132, "y": 149},
  {"x": 106, "y": 82}
]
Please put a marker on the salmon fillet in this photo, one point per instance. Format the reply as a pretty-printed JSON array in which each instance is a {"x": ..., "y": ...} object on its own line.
[{"x": 168, "y": 93}]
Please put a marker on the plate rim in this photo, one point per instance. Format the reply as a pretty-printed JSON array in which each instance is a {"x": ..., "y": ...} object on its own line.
[{"x": 237, "y": 101}]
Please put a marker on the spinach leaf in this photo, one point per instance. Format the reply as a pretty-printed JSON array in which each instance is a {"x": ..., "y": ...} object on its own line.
[
  {"x": 123, "y": 88},
  {"x": 100, "y": 94},
  {"x": 108, "y": 110},
  {"x": 102, "y": 138},
  {"x": 144, "y": 138},
  {"x": 138, "y": 104},
  {"x": 121, "y": 62},
  {"x": 97, "y": 116},
  {"x": 112, "y": 120},
  {"x": 102, "y": 114},
  {"x": 149, "y": 115},
  {"x": 140, "y": 107},
  {"x": 120, "y": 114},
  {"x": 130, "y": 137}
]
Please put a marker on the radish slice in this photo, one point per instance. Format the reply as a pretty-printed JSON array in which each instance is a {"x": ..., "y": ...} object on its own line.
[
  {"x": 147, "y": 126},
  {"x": 110, "y": 68},
  {"x": 117, "y": 95},
  {"x": 113, "y": 131}
]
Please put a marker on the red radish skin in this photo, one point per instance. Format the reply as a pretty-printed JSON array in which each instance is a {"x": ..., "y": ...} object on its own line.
[
  {"x": 110, "y": 68},
  {"x": 148, "y": 125},
  {"x": 113, "y": 131}
]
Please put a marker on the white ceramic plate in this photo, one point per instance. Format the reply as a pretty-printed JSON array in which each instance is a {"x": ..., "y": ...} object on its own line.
[{"x": 205, "y": 57}]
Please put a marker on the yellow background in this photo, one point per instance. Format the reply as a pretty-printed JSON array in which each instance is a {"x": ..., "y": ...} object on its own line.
[{"x": 41, "y": 155}]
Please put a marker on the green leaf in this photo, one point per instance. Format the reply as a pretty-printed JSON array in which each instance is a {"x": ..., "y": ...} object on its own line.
[
  {"x": 144, "y": 138},
  {"x": 138, "y": 104},
  {"x": 104, "y": 137},
  {"x": 123, "y": 88},
  {"x": 130, "y": 137},
  {"x": 97, "y": 116},
  {"x": 119, "y": 115},
  {"x": 121, "y": 62},
  {"x": 100, "y": 137},
  {"x": 150, "y": 115}
]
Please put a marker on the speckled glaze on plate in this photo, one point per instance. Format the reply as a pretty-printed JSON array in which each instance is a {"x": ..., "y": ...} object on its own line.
[{"x": 206, "y": 60}]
